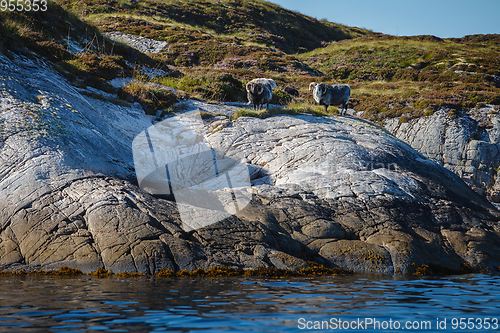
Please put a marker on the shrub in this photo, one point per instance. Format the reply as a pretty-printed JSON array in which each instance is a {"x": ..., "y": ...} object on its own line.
[
  {"x": 208, "y": 85},
  {"x": 281, "y": 97},
  {"x": 100, "y": 65},
  {"x": 224, "y": 87},
  {"x": 150, "y": 96}
]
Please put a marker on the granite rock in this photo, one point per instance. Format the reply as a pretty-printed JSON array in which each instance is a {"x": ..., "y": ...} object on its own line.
[
  {"x": 467, "y": 143},
  {"x": 338, "y": 191}
]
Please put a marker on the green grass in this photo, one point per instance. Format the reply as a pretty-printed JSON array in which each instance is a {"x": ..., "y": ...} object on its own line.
[
  {"x": 254, "y": 37},
  {"x": 412, "y": 76},
  {"x": 293, "y": 109},
  {"x": 393, "y": 58}
]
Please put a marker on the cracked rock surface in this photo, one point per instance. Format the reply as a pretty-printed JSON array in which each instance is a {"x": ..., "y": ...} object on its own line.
[
  {"x": 338, "y": 191},
  {"x": 467, "y": 143}
]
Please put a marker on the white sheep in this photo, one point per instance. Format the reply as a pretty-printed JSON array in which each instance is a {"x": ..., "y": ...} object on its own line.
[{"x": 336, "y": 94}]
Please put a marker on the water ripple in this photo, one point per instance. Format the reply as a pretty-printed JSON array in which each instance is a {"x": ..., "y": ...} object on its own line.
[{"x": 87, "y": 304}]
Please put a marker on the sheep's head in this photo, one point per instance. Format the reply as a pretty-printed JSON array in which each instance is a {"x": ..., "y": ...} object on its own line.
[
  {"x": 321, "y": 89},
  {"x": 255, "y": 88},
  {"x": 249, "y": 86},
  {"x": 312, "y": 85}
]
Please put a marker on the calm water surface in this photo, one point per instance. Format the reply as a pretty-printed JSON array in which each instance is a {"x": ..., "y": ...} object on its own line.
[{"x": 87, "y": 304}]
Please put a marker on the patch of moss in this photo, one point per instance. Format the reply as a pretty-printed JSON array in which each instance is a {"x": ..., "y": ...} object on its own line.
[
  {"x": 206, "y": 115},
  {"x": 101, "y": 273},
  {"x": 165, "y": 273},
  {"x": 245, "y": 113},
  {"x": 466, "y": 268},
  {"x": 272, "y": 273},
  {"x": 436, "y": 270},
  {"x": 403, "y": 119},
  {"x": 64, "y": 271},
  {"x": 129, "y": 275},
  {"x": 209, "y": 85},
  {"x": 101, "y": 65},
  {"x": 292, "y": 109},
  {"x": 423, "y": 270},
  {"x": 200, "y": 272},
  {"x": 214, "y": 272},
  {"x": 323, "y": 271}
]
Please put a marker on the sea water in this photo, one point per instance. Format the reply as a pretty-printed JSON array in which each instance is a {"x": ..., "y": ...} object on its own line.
[{"x": 319, "y": 304}]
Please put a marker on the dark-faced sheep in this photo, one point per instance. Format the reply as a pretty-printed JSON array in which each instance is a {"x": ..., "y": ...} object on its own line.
[
  {"x": 337, "y": 94},
  {"x": 260, "y": 91}
]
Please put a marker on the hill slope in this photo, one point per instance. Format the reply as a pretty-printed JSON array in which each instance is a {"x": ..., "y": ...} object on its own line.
[
  {"x": 413, "y": 76},
  {"x": 258, "y": 22},
  {"x": 214, "y": 48}
]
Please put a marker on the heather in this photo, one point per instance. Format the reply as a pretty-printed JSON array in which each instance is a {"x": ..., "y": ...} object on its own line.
[
  {"x": 215, "y": 47},
  {"x": 413, "y": 76}
]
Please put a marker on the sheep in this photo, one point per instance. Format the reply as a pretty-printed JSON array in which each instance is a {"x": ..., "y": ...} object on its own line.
[
  {"x": 260, "y": 91},
  {"x": 336, "y": 94}
]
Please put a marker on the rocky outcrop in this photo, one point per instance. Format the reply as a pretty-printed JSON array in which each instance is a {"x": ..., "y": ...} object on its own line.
[
  {"x": 467, "y": 143},
  {"x": 142, "y": 44},
  {"x": 337, "y": 191}
]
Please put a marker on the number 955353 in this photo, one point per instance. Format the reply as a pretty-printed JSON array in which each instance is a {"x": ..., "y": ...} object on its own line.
[
  {"x": 474, "y": 323},
  {"x": 23, "y": 5}
]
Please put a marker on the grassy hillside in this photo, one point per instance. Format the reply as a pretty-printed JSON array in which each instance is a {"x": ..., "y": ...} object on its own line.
[
  {"x": 255, "y": 21},
  {"x": 215, "y": 47},
  {"x": 391, "y": 76},
  {"x": 77, "y": 48}
]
